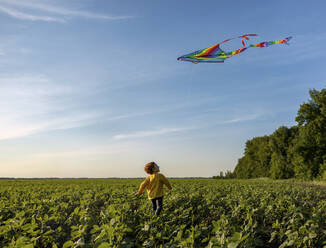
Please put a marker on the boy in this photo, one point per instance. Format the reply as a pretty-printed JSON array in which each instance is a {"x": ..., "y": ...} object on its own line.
[{"x": 154, "y": 185}]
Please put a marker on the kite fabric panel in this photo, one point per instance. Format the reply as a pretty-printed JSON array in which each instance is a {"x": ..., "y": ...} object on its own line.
[{"x": 215, "y": 54}]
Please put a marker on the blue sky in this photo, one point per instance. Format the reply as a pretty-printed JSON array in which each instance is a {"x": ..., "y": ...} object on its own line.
[{"x": 92, "y": 88}]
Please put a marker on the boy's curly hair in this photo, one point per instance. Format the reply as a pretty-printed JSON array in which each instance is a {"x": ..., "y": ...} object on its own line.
[{"x": 149, "y": 167}]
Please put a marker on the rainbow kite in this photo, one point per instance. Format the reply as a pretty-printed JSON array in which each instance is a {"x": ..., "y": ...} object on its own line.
[{"x": 215, "y": 54}]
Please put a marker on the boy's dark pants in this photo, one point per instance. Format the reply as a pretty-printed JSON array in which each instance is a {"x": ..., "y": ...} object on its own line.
[{"x": 157, "y": 204}]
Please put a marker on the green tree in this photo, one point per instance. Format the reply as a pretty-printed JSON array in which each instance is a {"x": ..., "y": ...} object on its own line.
[
  {"x": 299, "y": 151},
  {"x": 242, "y": 168},
  {"x": 256, "y": 160},
  {"x": 310, "y": 148},
  {"x": 281, "y": 142}
]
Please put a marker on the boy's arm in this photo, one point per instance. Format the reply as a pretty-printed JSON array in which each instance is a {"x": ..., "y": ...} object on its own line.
[
  {"x": 143, "y": 185},
  {"x": 166, "y": 182}
]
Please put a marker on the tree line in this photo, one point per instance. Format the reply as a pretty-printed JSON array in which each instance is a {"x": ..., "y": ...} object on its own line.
[{"x": 290, "y": 152}]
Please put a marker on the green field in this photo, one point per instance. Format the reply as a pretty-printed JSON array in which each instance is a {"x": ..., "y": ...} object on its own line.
[{"x": 196, "y": 213}]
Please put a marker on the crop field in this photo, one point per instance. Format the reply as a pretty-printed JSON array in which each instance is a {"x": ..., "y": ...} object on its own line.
[{"x": 196, "y": 213}]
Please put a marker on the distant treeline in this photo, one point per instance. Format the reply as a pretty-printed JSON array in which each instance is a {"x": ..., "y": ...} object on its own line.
[
  {"x": 290, "y": 152},
  {"x": 227, "y": 175}
]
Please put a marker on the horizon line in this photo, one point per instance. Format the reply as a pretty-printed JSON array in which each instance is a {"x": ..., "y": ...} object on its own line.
[{"x": 62, "y": 178}]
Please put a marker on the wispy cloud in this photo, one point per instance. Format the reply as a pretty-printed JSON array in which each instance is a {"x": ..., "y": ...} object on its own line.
[
  {"x": 30, "y": 104},
  {"x": 24, "y": 16},
  {"x": 84, "y": 152},
  {"x": 195, "y": 126},
  {"x": 148, "y": 133},
  {"x": 18, "y": 9},
  {"x": 127, "y": 116},
  {"x": 241, "y": 119}
]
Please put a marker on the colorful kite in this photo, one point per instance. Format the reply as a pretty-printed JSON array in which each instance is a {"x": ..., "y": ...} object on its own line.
[{"x": 215, "y": 54}]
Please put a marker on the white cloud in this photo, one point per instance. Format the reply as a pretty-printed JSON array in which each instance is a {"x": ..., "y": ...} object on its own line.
[
  {"x": 127, "y": 116},
  {"x": 23, "y": 16},
  {"x": 148, "y": 133},
  {"x": 241, "y": 119},
  {"x": 33, "y": 103},
  {"x": 83, "y": 152},
  {"x": 163, "y": 131},
  {"x": 33, "y": 6}
]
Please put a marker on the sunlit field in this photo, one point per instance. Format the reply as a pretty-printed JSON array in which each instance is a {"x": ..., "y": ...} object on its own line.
[{"x": 196, "y": 213}]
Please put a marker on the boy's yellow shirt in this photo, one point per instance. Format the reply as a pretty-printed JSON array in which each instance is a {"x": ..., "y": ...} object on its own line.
[{"x": 154, "y": 185}]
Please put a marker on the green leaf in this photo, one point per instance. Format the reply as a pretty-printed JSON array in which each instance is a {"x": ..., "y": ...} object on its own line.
[
  {"x": 290, "y": 243},
  {"x": 233, "y": 245},
  {"x": 312, "y": 235},
  {"x": 68, "y": 244},
  {"x": 104, "y": 245},
  {"x": 28, "y": 246},
  {"x": 236, "y": 236}
]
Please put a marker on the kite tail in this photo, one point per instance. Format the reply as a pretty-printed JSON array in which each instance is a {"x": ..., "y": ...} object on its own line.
[
  {"x": 286, "y": 40},
  {"x": 236, "y": 52},
  {"x": 269, "y": 43}
]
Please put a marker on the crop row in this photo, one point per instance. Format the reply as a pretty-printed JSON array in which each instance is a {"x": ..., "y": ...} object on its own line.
[{"x": 196, "y": 213}]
